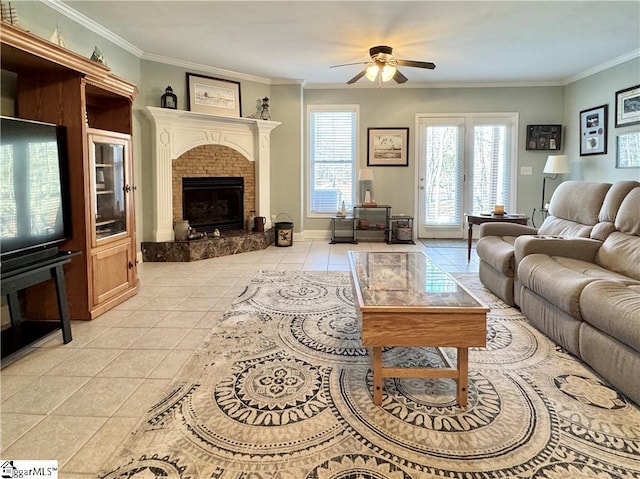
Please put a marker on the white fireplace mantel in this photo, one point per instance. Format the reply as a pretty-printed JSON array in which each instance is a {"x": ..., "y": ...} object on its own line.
[{"x": 176, "y": 132}]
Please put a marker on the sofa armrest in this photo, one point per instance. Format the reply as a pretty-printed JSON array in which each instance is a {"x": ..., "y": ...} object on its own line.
[
  {"x": 505, "y": 229},
  {"x": 584, "y": 249}
]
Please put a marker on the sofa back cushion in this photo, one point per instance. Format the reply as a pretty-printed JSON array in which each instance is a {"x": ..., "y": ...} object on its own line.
[
  {"x": 610, "y": 207},
  {"x": 620, "y": 251},
  {"x": 574, "y": 208}
]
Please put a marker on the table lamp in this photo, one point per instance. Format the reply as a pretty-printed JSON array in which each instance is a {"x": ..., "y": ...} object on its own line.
[
  {"x": 556, "y": 164},
  {"x": 365, "y": 176}
]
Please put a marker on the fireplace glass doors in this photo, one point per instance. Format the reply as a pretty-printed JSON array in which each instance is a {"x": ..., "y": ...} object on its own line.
[{"x": 213, "y": 202}]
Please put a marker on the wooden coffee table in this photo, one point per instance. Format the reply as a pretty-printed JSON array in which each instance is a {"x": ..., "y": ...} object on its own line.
[{"x": 404, "y": 299}]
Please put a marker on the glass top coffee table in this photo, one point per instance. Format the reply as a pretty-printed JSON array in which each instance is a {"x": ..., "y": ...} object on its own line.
[{"x": 404, "y": 299}]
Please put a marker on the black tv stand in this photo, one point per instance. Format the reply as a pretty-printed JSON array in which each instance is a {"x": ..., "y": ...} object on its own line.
[{"x": 22, "y": 273}]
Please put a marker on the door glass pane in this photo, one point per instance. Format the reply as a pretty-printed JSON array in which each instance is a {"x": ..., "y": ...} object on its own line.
[
  {"x": 110, "y": 214},
  {"x": 491, "y": 167},
  {"x": 442, "y": 179}
]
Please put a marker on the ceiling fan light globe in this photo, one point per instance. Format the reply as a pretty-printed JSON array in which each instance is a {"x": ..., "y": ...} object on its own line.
[
  {"x": 372, "y": 72},
  {"x": 388, "y": 72}
]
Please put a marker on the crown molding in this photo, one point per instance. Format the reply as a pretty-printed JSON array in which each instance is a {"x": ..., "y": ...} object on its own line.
[
  {"x": 603, "y": 66},
  {"x": 423, "y": 85},
  {"x": 86, "y": 22},
  {"x": 205, "y": 68}
]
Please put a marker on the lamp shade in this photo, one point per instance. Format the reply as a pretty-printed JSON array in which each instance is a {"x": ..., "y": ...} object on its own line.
[
  {"x": 557, "y": 164},
  {"x": 365, "y": 174}
]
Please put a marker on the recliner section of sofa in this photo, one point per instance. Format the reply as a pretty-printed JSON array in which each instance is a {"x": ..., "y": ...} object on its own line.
[
  {"x": 585, "y": 293},
  {"x": 574, "y": 210}
]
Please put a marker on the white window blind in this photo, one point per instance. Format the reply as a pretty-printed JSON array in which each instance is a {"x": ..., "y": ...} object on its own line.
[
  {"x": 492, "y": 164},
  {"x": 332, "y": 158},
  {"x": 444, "y": 170}
]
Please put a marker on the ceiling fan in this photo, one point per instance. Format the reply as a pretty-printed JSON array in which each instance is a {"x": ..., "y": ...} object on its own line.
[{"x": 382, "y": 66}]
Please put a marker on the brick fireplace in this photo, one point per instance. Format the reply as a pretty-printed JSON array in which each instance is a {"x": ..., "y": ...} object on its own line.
[
  {"x": 197, "y": 144},
  {"x": 215, "y": 168}
]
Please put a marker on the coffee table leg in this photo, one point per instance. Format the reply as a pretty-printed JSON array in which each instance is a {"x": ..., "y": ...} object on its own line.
[
  {"x": 463, "y": 376},
  {"x": 377, "y": 376}
]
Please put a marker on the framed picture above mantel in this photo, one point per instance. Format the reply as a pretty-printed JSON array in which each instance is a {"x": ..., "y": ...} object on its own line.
[
  {"x": 544, "y": 137},
  {"x": 213, "y": 95}
]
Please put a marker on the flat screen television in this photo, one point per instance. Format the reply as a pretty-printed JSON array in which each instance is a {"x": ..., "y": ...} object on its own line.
[{"x": 34, "y": 203}]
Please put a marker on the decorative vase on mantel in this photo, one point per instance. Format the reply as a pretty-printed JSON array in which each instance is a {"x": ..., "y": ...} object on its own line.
[{"x": 181, "y": 230}]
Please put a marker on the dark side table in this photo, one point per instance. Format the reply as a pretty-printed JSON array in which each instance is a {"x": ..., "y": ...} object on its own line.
[{"x": 479, "y": 218}]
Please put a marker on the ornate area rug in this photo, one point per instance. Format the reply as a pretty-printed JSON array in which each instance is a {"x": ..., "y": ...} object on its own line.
[{"x": 282, "y": 389}]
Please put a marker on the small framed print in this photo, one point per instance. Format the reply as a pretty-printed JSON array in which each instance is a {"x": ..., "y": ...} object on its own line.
[
  {"x": 628, "y": 106},
  {"x": 388, "y": 147},
  {"x": 213, "y": 95},
  {"x": 593, "y": 131},
  {"x": 544, "y": 137},
  {"x": 628, "y": 150}
]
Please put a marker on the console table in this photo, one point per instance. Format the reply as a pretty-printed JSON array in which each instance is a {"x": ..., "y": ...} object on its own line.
[
  {"x": 479, "y": 218},
  {"x": 24, "y": 276}
]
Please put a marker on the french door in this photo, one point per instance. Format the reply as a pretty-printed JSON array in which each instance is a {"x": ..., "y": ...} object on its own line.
[{"x": 466, "y": 163}]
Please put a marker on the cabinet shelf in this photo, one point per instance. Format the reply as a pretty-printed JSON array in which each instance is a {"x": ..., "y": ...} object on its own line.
[
  {"x": 106, "y": 222},
  {"x": 104, "y": 192}
]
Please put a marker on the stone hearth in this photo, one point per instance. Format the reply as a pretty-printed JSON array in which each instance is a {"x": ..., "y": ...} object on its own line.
[{"x": 230, "y": 242}]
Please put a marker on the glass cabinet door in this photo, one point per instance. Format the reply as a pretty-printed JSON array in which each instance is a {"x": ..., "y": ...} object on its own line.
[{"x": 110, "y": 186}]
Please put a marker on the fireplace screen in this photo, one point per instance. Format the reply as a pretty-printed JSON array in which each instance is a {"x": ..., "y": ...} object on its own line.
[{"x": 213, "y": 202}]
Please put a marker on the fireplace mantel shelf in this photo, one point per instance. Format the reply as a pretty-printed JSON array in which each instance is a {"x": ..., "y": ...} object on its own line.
[
  {"x": 183, "y": 115},
  {"x": 178, "y": 131}
]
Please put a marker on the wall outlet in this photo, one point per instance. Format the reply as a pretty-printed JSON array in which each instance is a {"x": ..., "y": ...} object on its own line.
[{"x": 526, "y": 170}]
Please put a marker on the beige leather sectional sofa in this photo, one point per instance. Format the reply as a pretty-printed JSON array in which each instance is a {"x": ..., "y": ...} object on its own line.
[{"x": 577, "y": 278}]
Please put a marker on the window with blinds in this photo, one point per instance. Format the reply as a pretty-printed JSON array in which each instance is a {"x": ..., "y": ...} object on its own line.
[
  {"x": 332, "y": 157},
  {"x": 491, "y": 166},
  {"x": 444, "y": 172},
  {"x": 467, "y": 163}
]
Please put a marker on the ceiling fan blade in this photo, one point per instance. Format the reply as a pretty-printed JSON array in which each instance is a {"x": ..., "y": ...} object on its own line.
[
  {"x": 413, "y": 63},
  {"x": 347, "y": 64},
  {"x": 357, "y": 77},
  {"x": 399, "y": 77}
]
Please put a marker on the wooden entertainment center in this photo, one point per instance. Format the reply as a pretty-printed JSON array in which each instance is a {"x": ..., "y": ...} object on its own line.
[{"x": 56, "y": 85}]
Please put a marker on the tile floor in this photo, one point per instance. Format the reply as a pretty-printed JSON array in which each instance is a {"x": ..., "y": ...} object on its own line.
[{"x": 77, "y": 403}]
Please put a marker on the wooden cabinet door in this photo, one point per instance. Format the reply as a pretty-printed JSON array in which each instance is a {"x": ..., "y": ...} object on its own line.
[{"x": 112, "y": 271}]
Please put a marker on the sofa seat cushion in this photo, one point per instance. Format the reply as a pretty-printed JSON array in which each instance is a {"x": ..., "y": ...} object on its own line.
[
  {"x": 614, "y": 308},
  {"x": 559, "y": 285},
  {"x": 590, "y": 270},
  {"x": 497, "y": 251}
]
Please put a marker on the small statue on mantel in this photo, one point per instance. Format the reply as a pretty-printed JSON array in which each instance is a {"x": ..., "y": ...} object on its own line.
[{"x": 98, "y": 57}]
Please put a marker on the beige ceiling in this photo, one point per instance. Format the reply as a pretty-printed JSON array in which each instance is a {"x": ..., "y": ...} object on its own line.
[{"x": 478, "y": 42}]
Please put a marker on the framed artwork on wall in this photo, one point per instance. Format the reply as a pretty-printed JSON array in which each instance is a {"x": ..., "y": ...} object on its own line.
[
  {"x": 544, "y": 137},
  {"x": 628, "y": 150},
  {"x": 593, "y": 131},
  {"x": 628, "y": 106},
  {"x": 213, "y": 95},
  {"x": 388, "y": 147}
]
